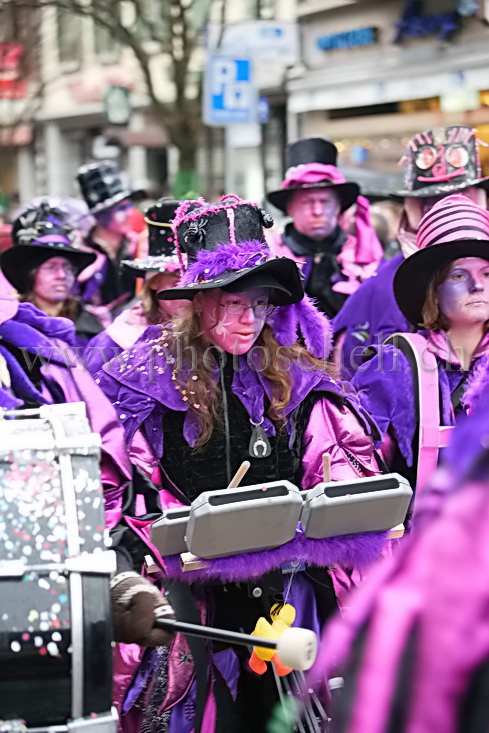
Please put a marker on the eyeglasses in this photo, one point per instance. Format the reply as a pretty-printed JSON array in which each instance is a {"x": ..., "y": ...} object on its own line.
[
  {"x": 239, "y": 309},
  {"x": 52, "y": 268}
]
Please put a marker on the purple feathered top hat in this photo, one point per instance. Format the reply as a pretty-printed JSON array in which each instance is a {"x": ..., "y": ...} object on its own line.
[{"x": 226, "y": 250}]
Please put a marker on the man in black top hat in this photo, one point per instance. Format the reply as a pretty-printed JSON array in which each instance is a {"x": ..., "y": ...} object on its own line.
[
  {"x": 315, "y": 194},
  {"x": 110, "y": 201}
]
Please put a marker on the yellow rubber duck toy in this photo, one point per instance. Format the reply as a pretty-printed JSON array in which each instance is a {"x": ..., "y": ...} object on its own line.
[{"x": 282, "y": 617}]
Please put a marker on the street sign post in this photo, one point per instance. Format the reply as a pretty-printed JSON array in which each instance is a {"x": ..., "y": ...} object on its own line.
[{"x": 229, "y": 94}]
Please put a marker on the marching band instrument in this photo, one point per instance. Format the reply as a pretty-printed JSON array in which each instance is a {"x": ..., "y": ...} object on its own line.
[
  {"x": 252, "y": 519},
  {"x": 373, "y": 504},
  {"x": 55, "y": 629}
]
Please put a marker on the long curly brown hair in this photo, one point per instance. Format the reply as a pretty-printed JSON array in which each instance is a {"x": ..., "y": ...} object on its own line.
[{"x": 195, "y": 362}]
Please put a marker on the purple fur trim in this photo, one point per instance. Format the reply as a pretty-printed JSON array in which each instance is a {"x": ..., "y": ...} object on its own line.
[
  {"x": 349, "y": 551},
  {"x": 315, "y": 327},
  {"x": 288, "y": 320},
  {"x": 211, "y": 264},
  {"x": 284, "y": 323},
  {"x": 478, "y": 385}
]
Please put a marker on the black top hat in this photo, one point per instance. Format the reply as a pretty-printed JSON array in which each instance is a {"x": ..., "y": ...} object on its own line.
[
  {"x": 307, "y": 151},
  {"x": 102, "y": 185},
  {"x": 162, "y": 255},
  {"x": 40, "y": 233},
  {"x": 206, "y": 226},
  {"x": 226, "y": 249},
  {"x": 310, "y": 150},
  {"x": 440, "y": 161}
]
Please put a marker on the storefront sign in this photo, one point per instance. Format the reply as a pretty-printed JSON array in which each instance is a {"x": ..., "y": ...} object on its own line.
[
  {"x": 348, "y": 39},
  {"x": 11, "y": 84},
  {"x": 413, "y": 23}
]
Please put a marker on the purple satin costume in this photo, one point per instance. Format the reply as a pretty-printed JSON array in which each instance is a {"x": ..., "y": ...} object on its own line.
[
  {"x": 140, "y": 385},
  {"x": 369, "y": 316}
]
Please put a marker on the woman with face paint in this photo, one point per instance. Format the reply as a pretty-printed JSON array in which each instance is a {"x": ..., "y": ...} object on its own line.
[
  {"x": 228, "y": 381},
  {"x": 442, "y": 289},
  {"x": 43, "y": 265}
]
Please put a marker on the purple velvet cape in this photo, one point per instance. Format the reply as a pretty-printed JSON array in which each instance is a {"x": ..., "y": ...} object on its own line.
[
  {"x": 139, "y": 383},
  {"x": 369, "y": 316}
]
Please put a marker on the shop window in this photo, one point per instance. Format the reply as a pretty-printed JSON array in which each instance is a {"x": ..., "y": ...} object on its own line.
[
  {"x": 104, "y": 42},
  {"x": 430, "y": 104},
  {"x": 261, "y": 9},
  {"x": 69, "y": 39}
]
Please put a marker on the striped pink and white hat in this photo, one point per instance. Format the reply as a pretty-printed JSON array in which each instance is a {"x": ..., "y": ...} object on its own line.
[{"x": 453, "y": 228}]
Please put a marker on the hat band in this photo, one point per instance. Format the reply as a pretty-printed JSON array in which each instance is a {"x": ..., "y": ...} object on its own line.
[
  {"x": 157, "y": 223},
  {"x": 53, "y": 239}
]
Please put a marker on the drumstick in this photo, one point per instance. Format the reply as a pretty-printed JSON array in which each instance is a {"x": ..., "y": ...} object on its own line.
[
  {"x": 208, "y": 632},
  {"x": 326, "y": 468},
  {"x": 296, "y": 647},
  {"x": 239, "y": 475}
]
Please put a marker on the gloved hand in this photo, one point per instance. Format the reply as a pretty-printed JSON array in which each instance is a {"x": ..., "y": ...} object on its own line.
[{"x": 136, "y": 602}]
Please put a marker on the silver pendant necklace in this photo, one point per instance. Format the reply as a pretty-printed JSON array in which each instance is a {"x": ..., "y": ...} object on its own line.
[{"x": 259, "y": 444}]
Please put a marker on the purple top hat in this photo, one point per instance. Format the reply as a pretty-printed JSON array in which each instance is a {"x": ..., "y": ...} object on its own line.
[
  {"x": 441, "y": 161},
  {"x": 311, "y": 163},
  {"x": 454, "y": 227}
]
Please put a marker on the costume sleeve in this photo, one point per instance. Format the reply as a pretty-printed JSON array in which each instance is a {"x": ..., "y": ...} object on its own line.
[
  {"x": 336, "y": 430},
  {"x": 99, "y": 350},
  {"x": 385, "y": 387}
]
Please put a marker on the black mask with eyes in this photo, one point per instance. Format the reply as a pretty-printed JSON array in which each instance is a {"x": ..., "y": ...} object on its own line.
[{"x": 441, "y": 157}]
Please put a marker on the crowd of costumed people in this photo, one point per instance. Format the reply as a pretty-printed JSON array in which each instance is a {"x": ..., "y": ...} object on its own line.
[{"x": 293, "y": 438}]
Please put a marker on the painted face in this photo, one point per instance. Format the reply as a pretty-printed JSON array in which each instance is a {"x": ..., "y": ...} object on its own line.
[
  {"x": 315, "y": 212},
  {"x": 463, "y": 296},
  {"x": 54, "y": 279},
  {"x": 116, "y": 218},
  {"x": 416, "y": 208},
  {"x": 233, "y": 322},
  {"x": 163, "y": 281}
]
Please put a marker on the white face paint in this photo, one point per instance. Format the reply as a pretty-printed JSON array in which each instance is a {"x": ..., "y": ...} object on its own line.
[{"x": 233, "y": 322}]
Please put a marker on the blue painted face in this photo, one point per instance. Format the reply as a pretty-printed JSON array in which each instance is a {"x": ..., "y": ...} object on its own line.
[
  {"x": 115, "y": 219},
  {"x": 463, "y": 296}
]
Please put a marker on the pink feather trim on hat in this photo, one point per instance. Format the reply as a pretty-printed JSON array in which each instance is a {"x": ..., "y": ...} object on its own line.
[{"x": 311, "y": 173}]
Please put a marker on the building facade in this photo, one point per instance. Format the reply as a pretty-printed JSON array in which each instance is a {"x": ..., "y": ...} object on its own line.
[{"x": 375, "y": 72}]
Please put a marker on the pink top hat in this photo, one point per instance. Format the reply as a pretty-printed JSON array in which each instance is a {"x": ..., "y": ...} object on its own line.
[{"x": 455, "y": 227}]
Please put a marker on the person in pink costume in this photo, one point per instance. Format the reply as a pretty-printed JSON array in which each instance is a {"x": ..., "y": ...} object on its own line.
[
  {"x": 245, "y": 389},
  {"x": 317, "y": 197},
  {"x": 437, "y": 163},
  {"x": 413, "y": 649},
  {"x": 450, "y": 306}
]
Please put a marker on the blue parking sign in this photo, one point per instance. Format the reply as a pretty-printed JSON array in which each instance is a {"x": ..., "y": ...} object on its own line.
[{"x": 229, "y": 94}]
